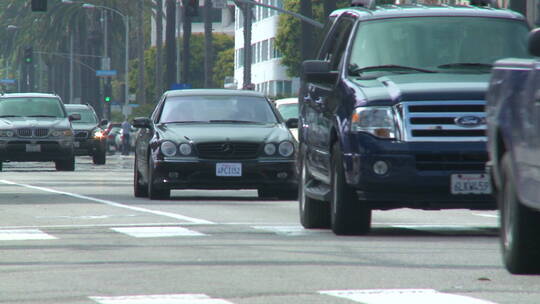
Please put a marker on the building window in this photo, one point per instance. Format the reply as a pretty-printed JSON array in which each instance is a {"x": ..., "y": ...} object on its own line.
[{"x": 264, "y": 51}]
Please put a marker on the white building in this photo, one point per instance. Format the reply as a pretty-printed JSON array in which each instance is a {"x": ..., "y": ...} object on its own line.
[{"x": 267, "y": 72}]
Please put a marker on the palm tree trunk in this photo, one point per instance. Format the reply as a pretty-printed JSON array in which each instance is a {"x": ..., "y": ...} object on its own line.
[
  {"x": 329, "y": 6},
  {"x": 208, "y": 46},
  {"x": 140, "y": 53},
  {"x": 170, "y": 44},
  {"x": 186, "y": 44},
  {"x": 159, "y": 44},
  {"x": 306, "y": 37}
]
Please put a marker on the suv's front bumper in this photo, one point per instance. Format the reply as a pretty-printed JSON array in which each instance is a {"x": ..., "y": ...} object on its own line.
[{"x": 39, "y": 150}]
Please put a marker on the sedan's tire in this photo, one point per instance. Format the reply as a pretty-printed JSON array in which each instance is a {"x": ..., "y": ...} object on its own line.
[
  {"x": 139, "y": 189},
  {"x": 313, "y": 213},
  {"x": 348, "y": 215},
  {"x": 65, "y": 164},
  {"x": 100, "y": 157},
  {"x": 520, "y": 226},
  {"x": 264, "y": 193},
  {"x": 153, "y": 192},
  {"x": 287, "y": 195}
]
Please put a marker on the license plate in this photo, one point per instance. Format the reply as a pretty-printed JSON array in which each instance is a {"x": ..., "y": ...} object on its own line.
[
  {"x": 33, "y": 148},
  {"x": 470, "y": 184},
  {"x": 228, "y": 169}
]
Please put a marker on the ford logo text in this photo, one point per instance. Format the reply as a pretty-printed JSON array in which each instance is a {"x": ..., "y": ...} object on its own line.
[{"x": 469, "y": 121}]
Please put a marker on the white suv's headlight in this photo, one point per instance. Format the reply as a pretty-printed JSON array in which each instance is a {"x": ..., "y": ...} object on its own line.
[
  {"x": 378, "y": 121},
  {"x": 286, "y": 148},
  {"x": 168, "y": 148},
  {"x": 61, "y": 133},
  {"x": 7, "y": 133}
]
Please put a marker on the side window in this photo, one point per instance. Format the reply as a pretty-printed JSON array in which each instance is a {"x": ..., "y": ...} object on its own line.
[{"x": 337, "y": 41}]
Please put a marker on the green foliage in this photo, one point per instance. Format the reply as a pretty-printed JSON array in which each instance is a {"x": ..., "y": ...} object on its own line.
[
  {"x": 224, "y": 66},
  {"x": 288, "y": 36}
]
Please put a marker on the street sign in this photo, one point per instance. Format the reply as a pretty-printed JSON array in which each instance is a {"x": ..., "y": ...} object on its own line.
[
  {"x": 105, "y": 73},
  {"x": 181, "y": 86},
  {"x": 8, "y": 81}
]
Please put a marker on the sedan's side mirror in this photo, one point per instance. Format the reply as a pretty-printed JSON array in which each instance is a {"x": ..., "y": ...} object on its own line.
[
  {"x": 318, "y": 71},
  {"x": 142, "y": 122},
  {"x": 534, "y": 42},
  {"x": 292, "y": 123},
  {"x": 103, "y": 122},
  {"x": 75, "y": 116}
]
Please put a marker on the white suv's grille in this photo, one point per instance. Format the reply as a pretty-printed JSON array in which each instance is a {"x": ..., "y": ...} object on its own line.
[{"x": 443, "y": 121}]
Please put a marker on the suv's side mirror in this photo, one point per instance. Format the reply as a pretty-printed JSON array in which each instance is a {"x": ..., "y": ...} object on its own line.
[
  {"x": 142, "y": 122},
  {"x": 318, "y": 71},
  {"x": 292, "y": 123},
  {"x": 74, "y": 116},
  {"x": 103, "y": 122},
  {"x": 534, "y": 42}
]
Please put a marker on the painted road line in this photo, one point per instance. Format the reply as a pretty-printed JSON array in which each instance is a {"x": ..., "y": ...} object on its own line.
[
  {"x": 402, "y": 296},
  {"x": 24, "y": 235},
  {"x": 486, "y": 215},
  {"x": 113, "y": 204},
  {"x": 445, "y": 228},
  {"x": 153, "y": 232},
  {"x": 161, "y": 299}
]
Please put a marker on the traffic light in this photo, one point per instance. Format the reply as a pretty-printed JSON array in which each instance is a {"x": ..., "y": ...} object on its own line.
[
  {"x": 192, "y": 8},
  {"x": 39, "y": 5},
  {"x": 107, "y": 93},
  {"x": 28, "y": 55}
]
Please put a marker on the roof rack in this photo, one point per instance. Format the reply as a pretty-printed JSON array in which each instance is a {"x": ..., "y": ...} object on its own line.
[
  {"x": 485, "y": 3},
  {"x": 369, "y": 4}
]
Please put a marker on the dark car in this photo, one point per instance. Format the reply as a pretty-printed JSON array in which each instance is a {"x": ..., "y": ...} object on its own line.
[
  {"x": 89, "y": 133},
  {"x": 36, "y": 127},
  {"x": 392, "y": 110},
  {"x": 214, "y": 139}
]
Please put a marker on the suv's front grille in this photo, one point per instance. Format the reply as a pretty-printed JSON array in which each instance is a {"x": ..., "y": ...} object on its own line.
[
  {"x": 228, "y": 150},
  {"x": 29, "y": 132},
  {"x": 443, "y": 120},
  {"x": 451, "y": 161},
  {"x": 81, "y": 134}
]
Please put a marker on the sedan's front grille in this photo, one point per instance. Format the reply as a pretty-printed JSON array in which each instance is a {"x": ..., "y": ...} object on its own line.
[
  {"x": 228, "y": 150},
  {"x": 81, "y": 134},
  {"x": 30, "y": 132}
]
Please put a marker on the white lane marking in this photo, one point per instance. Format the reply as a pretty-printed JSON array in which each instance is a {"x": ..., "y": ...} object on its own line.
[
  {"x": 288, "y": 230},
  {"x": 114, "y": 204},
  {"x": 161, "y": 299},
  {"x": 486, "y": 215},
  {"x": 402, "y": 296},
  {"x": 24, "y": 234},
  {"x": 448, "y": 228},
  {"x": 151, "y": 232},
  {"x": 98, "y": 225}
]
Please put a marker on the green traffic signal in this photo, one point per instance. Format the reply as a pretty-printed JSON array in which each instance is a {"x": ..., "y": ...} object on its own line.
[{"x": 107, "y": 98}]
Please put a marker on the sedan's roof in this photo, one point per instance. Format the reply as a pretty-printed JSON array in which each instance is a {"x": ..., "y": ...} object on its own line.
[
  {"x": 213, "y": 92},
  {"x": 32, "y": 94}
]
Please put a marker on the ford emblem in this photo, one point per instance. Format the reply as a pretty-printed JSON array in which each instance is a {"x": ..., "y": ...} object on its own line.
[{"x": 469, "y": 121}]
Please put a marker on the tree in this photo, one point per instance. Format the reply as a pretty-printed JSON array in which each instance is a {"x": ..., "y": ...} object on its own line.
[
  {"x": 159, "y": 42},
  {"x": 208, "y": 50},
  {"x": 170, "y": 44},
  {"x": 224, "y": 66}
]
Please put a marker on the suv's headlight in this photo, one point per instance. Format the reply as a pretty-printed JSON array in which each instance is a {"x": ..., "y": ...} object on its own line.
[
  {"x": 60, "y": 133},
  {"x": 168, "y": 148},
  {"x": 286, "y": 148},
  {"x": 7, "y": 133},
  {"x": 378, "y": 121},
  {"x": 98, "y": 134}
]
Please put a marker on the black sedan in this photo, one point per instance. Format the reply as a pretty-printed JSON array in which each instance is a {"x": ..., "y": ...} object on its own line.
[{"x": 214, "y": 139}]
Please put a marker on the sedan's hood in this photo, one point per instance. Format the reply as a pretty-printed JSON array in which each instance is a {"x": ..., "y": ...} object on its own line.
[
  {"x": 34, "y": 122},
  {"x": 83, "y": 126},
  {"x": 201, "y": 133},
  {"x": 391, "y": 89}
]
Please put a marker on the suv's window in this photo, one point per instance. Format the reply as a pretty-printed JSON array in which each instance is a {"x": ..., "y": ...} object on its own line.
[
  {"x": 217, "y": 109},
  {"x": 87, "y": 115},
  {"x": 31, "y": 106},
  {"x": 442, "y": 43},
  {"x": 337, "y": 41}
]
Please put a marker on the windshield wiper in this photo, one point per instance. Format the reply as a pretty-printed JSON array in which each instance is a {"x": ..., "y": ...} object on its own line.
[
  {"x": 4, "y": 116},
  {"x": 235, "y": 121},
  {"x": 355, "y": 70},
  {"x": 186, "y": 121},
  {"x": 466, "y": 65},
  {"x": 42, "y": 116}
]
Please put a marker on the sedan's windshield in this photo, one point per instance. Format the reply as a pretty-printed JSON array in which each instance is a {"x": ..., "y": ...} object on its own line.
[
  {"x": 288, "y": 110},
  {"x": 218, "y": 109},
  {"x": 442, "y": 44},
  {"x": 31, "y": 107},
  {"x": 87, "y": 115}
]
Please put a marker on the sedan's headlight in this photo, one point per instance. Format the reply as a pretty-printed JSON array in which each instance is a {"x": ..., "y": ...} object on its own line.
[
  {"x": 378, "y": 121},
  {"x": 168, "y": 148},
  {"x": 269, "y": 149},
  {"x": 286, "y": 148},
  {"x": 185, "y": 149},
  {"x": 7, "y": 133},
  {"x": 98, "y": 134},
  {"x": 61, "y": 133}
]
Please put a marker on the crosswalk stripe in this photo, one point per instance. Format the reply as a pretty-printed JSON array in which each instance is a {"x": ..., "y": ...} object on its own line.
[
  {"x": 152, "y": 232},
  {"x": 161, "y": 299},
  {"x": 402, "y": 296},
  {"x": 24, "y": 234}
]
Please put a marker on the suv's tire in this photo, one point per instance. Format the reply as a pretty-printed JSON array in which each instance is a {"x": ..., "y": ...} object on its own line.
[
  {"x": 520, "y": 226},
  {"x": 139, "y": 189},
  {"x": 348, "y": 215},
  {"x": 313, "y": 213},
  {"x": 153, "y": 193},
  {"x": 65, "y": 164},
  {"x": 100, "y": 156}
]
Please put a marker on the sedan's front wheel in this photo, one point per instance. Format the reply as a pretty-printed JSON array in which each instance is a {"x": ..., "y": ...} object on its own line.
[
  {"x": 153, "y": 192},
  {"x": 139, "y": 189}
]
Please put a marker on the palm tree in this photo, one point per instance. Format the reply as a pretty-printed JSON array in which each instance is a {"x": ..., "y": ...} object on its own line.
[
  {"x": 170, "y": 40},
  {"x": 208, "y": 45},
  {"x": 159, "y": 45}
]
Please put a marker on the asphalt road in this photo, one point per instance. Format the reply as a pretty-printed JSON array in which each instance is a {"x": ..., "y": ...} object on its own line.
[{"x": 82, "y": 237}]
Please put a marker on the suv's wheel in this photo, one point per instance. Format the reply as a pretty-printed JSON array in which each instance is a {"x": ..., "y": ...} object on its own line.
[
  {"x": 313, "y": 213},
  {"x": 65, "y": 164},
  {"x": 520, "y": 226},
  {"x": 139, "y": 189},
  {"x": 348, "y": 215},
  {"x": 153, "y": 193},
  {"x": 99, "y": 157}
]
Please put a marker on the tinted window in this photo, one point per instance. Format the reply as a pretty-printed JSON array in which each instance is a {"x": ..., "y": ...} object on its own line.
[
  {"x": 31, "y": 106},
  {"x": 212, "y": 108},
  {"x": 87, "y": 115}
]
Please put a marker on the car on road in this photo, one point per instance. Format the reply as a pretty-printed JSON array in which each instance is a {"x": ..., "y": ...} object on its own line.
[
  {"x": 214, "y": 139},
  {"x": 36, "y": 127},
  {"x": 288, "y": 108},
  {"x": 89, "y": 133},
  {"x": 392, "y": 110}
]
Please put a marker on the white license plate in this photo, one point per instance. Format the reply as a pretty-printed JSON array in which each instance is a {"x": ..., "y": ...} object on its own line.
[
  {"x": 470, "y": 184},
  {"x": 76, "y": 144},
  {"x": 228, "y": 169},
  {"x": 33, "y": 148}
]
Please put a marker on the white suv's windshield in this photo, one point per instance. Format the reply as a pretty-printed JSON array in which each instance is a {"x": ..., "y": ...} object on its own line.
[
  {"x": 436, "y": 44},
  {"x": 31, "y": 107}
]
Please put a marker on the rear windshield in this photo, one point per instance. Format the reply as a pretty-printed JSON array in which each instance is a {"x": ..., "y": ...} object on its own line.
[{"x": 31, "y": 106}]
